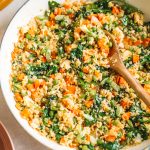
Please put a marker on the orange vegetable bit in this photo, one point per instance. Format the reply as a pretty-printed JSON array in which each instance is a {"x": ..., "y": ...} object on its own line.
[
  {"x": 36, "y": 83},
  {"x": 30, "y": 87},
  {"x": 44, "y": 59},
  {"x": 147, "y": 88},
  {"x": 85, "y": 22},
  {"x": 53, "y": 55},
  {"x": 25, "y": 113},
  {"x": 115, "y": 10},
  {"x": 123, "y": 138},
  {"x": 126, "y": 116},
  {"x": 110, "y": 138},
  {"x": 31, "y": 31},
  {"x": 138, "y": 42},
  {"x": 62, "y": 70},
  {"x": 21, "y": 76},
  {"x": 52, "y": 16},
  {"x": 73, "y": 145},
  {"x": 52, "y": 76},
  {"x": 135, "y": 58},
  {"x": 18, "y": 97},
  {"x": 146, "y": 42},
  {"x": 88, "y": 137},
  {"x": 85, "y": 69},
  {"x": 68, "y": 48},
  {"x": 77, "y": 112},
  {"x": 89, "y": 103},
  {"x": 4, "y": 3},
  {"x": 67, "y": 6},
  {"x": 68, "y": 80},
  {"x": 34, "y": 95},
  {"x": 57, "y": 11},
  {"x": 70, "y": 90},
  {"x": 121, "y": 81},
  {"x": 125, "y": 104},
  {"x": 50, "y": 23}
]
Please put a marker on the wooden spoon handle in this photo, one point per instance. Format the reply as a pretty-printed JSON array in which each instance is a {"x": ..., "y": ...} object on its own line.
[{"x": 136, "y": 86}]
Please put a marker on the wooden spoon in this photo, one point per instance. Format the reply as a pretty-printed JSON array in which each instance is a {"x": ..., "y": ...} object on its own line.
[{"x": 116, "y": 64}]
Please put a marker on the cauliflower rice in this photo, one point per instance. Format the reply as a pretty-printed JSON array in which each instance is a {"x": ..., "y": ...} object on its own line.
[{"x": 63, "y": 84}]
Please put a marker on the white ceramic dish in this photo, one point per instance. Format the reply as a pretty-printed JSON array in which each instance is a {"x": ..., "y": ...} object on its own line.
[{"x": 28, "y": 11}]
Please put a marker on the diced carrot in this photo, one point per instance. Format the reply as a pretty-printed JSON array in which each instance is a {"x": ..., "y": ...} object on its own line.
[
  {"x": 18, "y": 97},
  {"x": 87, "y": 137},
  {"x": 125, "y": 103},
  {"x": 100, "y": 42},
  {"x": 85, "y": 69},
  {"x": 57, "y": 11},
  {"x": 67, "y": 6},
  {"x": 85, "y": 22},
  {"x": 21, "y": 76},
  {"x": 126, "y": 116},
  {"x": 34, "y": 95},
  {"x": 62, "y": 70},
  {"x": 71, "y": 15},
  {"x": 118, "y": 39},
  {"x": 36, "y": 83},
  {"x": 115, "y": 10},
  {"x": 123, "y": 138},
  {"x": 147, "y": 88},
  {"x": 68, "y": 80},
  {"x": 128, "y": 41},
  {"x": 105, "y": 49},
  {"x": 86, "y": 58},
  {"x": 30, "y": 87},
  {"x": 77, "y": 112},
  {"x": 43, "y": 59},
  {"x": 43, "y": 82},
  {"x": 88, "y": 103},
  {"x": 120, "y": 80},
  {"x": 73, "y": 145},
  {"x": 62, "y": 140},
  {"x": 52, "y": 16},
  {"x": 31, "y": 31},
  {"x": 138, "y": 42},
  {"x": 65, "y": 102},
  {"x": 45, "y": 32},
  {"x": 50, "y": 23},
  {"x": 52, "y": 76},
  {"x": 70, "y": 90},
  {"x": 100, "y": 16},
  {"x": 146, "y": 42},
  {"x": 136, "y": 58},
  {"x": 110, "y": 138},
  {"x": 96, "y": 73},
  {"x": 25, "y": 113},
  {"x": 68, "y": 48},
  {"x": 78, "y": 30},
  {"x": 18, "y": 106},
  {"x": 53, "y": 54}
]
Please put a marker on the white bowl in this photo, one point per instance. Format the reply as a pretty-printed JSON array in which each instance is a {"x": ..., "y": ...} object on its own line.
[{"x": 29, "y": 10}]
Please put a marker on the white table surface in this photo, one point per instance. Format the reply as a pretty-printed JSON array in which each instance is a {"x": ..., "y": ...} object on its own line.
[{"x": 21, "y": 140}]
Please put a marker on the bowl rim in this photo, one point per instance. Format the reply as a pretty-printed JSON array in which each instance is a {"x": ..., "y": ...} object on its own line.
[{"x": 32, "y": 132}]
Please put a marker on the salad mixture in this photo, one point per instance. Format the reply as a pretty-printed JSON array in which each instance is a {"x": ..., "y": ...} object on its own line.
[{"x": 63, "y": 84}]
